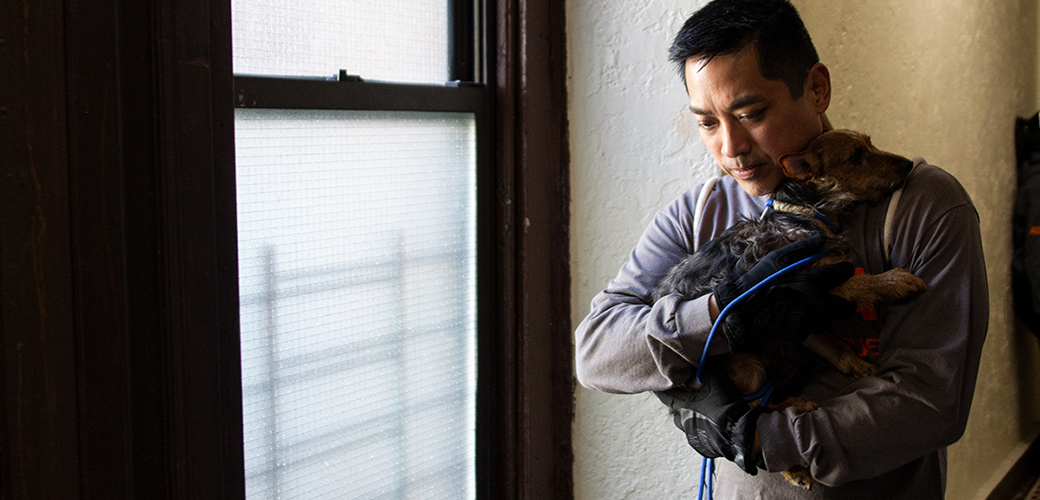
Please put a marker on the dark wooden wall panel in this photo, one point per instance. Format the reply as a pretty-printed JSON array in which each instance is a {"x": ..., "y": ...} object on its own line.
[
  {"x": 118, "y": 282},
  {"x": 95, "y": 167},
  {"x": 39, "y": 385}
]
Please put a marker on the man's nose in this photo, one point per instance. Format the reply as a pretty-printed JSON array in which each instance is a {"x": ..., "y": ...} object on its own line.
[{"x": 735, "y": 140}]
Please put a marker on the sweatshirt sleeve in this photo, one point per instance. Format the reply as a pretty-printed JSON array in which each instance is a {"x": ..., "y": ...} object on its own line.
[
  {"x": 627, "y": 344},
  {"x": 928, "y": 355}
]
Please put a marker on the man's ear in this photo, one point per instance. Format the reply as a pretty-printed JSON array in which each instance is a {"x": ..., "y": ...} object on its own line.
[
  {"x": 818, "y": 87},
  {"x": 796, "y": 166}
]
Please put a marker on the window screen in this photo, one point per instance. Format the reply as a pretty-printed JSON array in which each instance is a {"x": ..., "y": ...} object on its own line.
[
  {"x": 358, "y": 291},
  {"x": 391, "y": 40}
]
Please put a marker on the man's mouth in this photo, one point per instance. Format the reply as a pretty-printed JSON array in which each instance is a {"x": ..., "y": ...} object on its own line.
[{"x": 745, "y": 172}]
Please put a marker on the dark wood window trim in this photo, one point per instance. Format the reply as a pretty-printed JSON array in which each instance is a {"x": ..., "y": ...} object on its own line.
[
  {"x": 533, "y": 157},
  {"x": 118, "y": 275}
]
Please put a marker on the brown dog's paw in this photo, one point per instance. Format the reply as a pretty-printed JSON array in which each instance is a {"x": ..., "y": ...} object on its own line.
[
  {"x": 747, "y": 372},
  {"x": 799, "y": 477},
  {"x": 840, "y": 355},
  {"x": 795, "y": 402},
  {"x": 869, "y": 289},
  {"x": 900, "y": 283},
  {"x": 857, "y": 367}
]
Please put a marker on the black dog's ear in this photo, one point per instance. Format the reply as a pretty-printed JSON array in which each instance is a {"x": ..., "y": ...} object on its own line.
[{"x": 796, "y": 166}]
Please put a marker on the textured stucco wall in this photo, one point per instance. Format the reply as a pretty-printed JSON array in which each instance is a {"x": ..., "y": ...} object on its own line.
[
  {"x": 939, "y": 79},
  {"x": 633, "y": 148}
]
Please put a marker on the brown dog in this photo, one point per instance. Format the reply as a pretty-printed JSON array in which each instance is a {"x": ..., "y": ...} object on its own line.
[{"x": 839, "y": 169}]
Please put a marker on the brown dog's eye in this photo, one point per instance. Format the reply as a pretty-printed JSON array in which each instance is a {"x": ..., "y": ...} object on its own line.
[{"x": 858, "y": 156}]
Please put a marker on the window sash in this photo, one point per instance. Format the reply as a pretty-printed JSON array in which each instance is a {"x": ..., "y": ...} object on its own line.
[{"x": 310, "y": 93}]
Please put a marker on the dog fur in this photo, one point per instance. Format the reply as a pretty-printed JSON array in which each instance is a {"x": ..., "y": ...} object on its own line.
[{"x": 839, "y": 169}]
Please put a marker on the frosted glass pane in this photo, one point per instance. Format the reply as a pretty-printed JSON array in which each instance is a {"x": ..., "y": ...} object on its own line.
[
  {"x": 388, "y": 40},
  {"x": 357, "y": 268}
]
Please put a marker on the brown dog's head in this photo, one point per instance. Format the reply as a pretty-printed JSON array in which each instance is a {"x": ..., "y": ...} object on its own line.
[{"x": 843, "y": 165}]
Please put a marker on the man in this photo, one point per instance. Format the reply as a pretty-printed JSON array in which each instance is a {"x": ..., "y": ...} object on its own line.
[{"x": 758, "y": 91}]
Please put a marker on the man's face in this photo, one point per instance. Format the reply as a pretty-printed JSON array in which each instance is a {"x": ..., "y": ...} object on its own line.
[{"x": 747, "y": 121}]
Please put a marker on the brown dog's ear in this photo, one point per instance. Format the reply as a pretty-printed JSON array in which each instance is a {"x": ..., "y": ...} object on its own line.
[{"x": 796, "y": 166}]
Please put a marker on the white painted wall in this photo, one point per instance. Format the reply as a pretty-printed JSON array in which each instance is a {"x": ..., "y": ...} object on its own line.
[
  {"x": 634, "y": 147},
  {"x": 942, "y": 79}
]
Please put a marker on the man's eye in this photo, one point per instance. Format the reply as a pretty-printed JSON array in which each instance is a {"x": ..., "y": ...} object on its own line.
[
  {"x": 752, "y": 116},
  {"x": 706, "y": 125}
]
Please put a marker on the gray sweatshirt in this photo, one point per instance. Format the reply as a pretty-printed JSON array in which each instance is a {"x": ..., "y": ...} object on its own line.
[{"x": 877, "y": 437}]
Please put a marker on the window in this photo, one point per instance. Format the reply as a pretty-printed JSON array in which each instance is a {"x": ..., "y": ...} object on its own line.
[
  {"x": 358, "y": 233},
  {"x": 121, "y": 302}
]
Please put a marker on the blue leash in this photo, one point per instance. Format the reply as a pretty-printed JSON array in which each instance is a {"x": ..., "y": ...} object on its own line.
[
  {"x": 708, "y": 464},
  {"x": 761, "y": 284},
  {"x": 705, "y": 462},
  {"x": 765, "y": 393}
]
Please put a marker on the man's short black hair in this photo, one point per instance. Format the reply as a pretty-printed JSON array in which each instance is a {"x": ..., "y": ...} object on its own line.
[{"x": 724, "y": 27}]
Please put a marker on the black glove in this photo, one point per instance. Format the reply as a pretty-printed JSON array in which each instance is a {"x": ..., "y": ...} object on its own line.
[
  {"x": 715, "y": 418},
  {"x": 791, "y": 309}
]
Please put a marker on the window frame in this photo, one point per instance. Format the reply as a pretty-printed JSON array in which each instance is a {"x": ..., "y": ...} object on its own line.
[
  {"x": 119, "y": 286},
  {"x": 353, "y": 93}
]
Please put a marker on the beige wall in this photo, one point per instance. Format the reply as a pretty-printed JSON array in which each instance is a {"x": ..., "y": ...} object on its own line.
[{"x": 942, "y": 79}]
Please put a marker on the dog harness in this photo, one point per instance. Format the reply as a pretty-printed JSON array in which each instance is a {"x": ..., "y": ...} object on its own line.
[{"x": 780, "y": 206}]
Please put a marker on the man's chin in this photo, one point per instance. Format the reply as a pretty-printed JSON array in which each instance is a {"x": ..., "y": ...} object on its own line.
[{"x": 755, "y": 190}]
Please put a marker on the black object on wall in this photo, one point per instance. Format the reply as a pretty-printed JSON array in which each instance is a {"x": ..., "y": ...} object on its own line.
[{"x": 1025, "y": 267}]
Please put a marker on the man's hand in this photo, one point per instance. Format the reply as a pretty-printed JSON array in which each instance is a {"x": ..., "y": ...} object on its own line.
[
  {"x": 796, "y": 305},
  {"x": 715, "y": 418}
]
